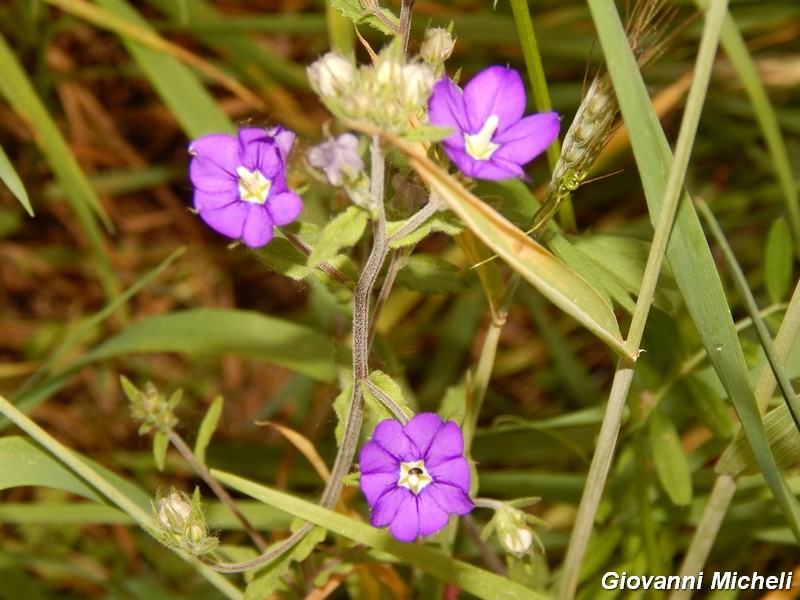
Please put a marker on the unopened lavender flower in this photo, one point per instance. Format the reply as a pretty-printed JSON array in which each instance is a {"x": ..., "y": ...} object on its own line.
[
  {"x": 415, "y": 476},
  {"x": 492, "y": 139},
  {"x": 338, "y": 158},
  {"x": 240, "y": 183}
]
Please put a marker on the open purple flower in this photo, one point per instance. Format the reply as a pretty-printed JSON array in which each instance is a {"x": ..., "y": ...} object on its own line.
[
  {"x": 240, "y": 183},
  {"x": 492, "y": 140},
  {"x": 415, "y": 476}
]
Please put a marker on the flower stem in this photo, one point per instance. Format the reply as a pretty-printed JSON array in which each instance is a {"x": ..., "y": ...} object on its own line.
[
  {"x": 220, "y": 492},
  {"x": 361, "y": 301}
]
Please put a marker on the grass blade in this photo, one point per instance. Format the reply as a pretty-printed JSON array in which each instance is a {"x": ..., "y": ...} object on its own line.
[{"x": 8, "y": 175}]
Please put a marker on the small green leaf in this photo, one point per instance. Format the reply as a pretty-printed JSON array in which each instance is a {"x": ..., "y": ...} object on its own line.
[
  {"x": 778, "y": 261},
  {"x": 283, "y": 258},
  {"x": 429, "y": 274},
  {"x": 342, "y": 232},
  {"x": 671, "y": 465},
  {"x": 388, "y": 386},
  {"x": 443, "y": 221},
  {"x": 355, "y": 11},
  {"x": 8, "y": 175},
  {"x": 341, "y": 406},
  {"x": 160, "y": 447},
  {"x": 207, "y": 428}
]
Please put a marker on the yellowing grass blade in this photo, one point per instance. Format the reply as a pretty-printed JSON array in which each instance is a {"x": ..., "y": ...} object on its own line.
[{"x": 554, "y": 279}]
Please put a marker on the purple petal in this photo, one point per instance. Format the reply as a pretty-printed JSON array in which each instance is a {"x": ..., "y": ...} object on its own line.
[
  {"x": 375, "y": 459},
  {"x": 452, "y": 499},
  {"x": 494, "y": 91},
  {"x": 448, "y": 443},
  {"x": 453, "y": 472},
  {"x": 251, "y": 135},
  {"x": 229, "y": 220},
  {"x": 375, "y": 485},
  {"x": 422, "y": 429},
  {"x": 284, "y": 208},
  {"x": 388, "y": 505},
  {"x": 492, "y": 170},
  {"x": 527, "y": 139},
  {"x": 389, "y": 434},
  {"x": 405, "y": 525},
  {"x": 283, "y": 138},
  {"x": 257, "y": 229},
  {"x": 433, "y": 516},
  {"x": 265, "y": 157},
  {"x": 204, "y": 201},
  {"x": 446, "y": 109},
  {"x": 214, "y": 163}
]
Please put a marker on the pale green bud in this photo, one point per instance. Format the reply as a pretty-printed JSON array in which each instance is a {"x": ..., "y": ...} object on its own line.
[
  {"x": 331, "y": 75},
  {"x": 437, "y": 46}
]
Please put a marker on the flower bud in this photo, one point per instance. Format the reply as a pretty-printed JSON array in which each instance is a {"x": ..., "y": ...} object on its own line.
[
  {"x": 331, "y": 74},
  {"x": 338, "y": 158},
  {"x": 437, "y": 46},
  {"x": 517, "y": 540},
  {"x": 418, "y": 82},
  {"x": 173, "y": 511}
]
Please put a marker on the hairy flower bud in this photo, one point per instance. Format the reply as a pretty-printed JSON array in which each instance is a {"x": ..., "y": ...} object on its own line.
[
  {"x": 437, "y": 46},
  {"x": 182, "y": 523},
  {"x": 331, "y": 75},
  {"x": 418, "y": 81},
  {"x": 173, "y": 510}
]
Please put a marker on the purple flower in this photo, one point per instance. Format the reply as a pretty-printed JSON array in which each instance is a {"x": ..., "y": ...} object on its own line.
[
  {"x": 240, "y": 183},
  {"x": 415, "y": 476},
  {"x": 491, "y": 140},
  {"x": 338, "y": 158}
]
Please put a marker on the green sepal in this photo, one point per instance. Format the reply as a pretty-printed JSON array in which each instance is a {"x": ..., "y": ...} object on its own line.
[{"x": 160, "y": 447}]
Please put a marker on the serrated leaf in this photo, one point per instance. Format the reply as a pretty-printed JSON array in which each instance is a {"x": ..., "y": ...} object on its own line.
[
  {"x": 429, "y": 274},
  {"x": 342, "y": 232},
  {"x": 778, "y": 261},
  {"x": 160, "y": 447},
  {"x": 8, "y": 175},
  {"x": 355, "y": 11},
  {"x": 670, "y": 462},
  {"x": 207, "y": 428}
]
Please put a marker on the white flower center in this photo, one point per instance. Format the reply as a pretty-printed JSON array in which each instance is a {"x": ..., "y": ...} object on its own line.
[
  {"x": 479, "y": 145},
  {"x": 414, "y": 476},
  {"x": 253, "y": 186}
]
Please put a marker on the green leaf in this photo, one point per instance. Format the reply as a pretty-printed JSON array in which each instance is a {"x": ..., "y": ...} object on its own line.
[
  {"x": 224, "y": 331},
  {"x": 671, "y": 465},
  {"x": 554, "y": 279},
  {"x": 8, "y": 175},
  {"x": 207, "y": 428},
  {"x": 24, "y": 463},
  {"x": 176, "y": 84},
  {"x": 429, "y": 274},
  {"x": 688, "y": 252},
  {"x": 160, "y": 447},
  {"x": 281, "y": 256},
  {"x": 269, "y": 578},
  {"x": 342, "y": 232},
  {"x": 464, "y": 576},
  {"x": 778, "y": 261},
  {"x": 443, "y": 221},
  {"x": 358, "y": 14},
  {"x": 784, "y": 440},
  {"x": 389, "y": 387},
  {"x": 341, "y": 406}
]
